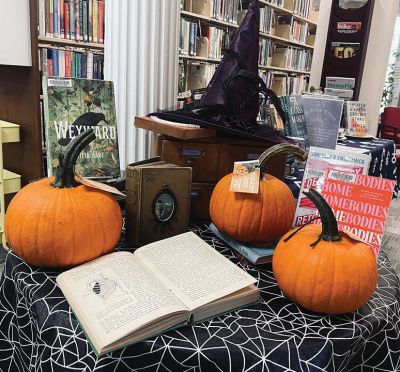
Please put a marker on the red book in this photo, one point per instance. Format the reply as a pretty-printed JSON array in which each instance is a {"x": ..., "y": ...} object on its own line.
[
  {"x": 66, "y": 21},
  {"x": 101, "y": 22},
  {"x": 50, "y": 67},
  {"x": 68, "y": 63},
  {"x": 360, "y": 203}
]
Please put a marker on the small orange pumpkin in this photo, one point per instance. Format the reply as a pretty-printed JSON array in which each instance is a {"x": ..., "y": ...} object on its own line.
[
  {"x": 322, "y": 269},
  {"x": 57, "y": 222},
  {"x": 255, "y": 218}
]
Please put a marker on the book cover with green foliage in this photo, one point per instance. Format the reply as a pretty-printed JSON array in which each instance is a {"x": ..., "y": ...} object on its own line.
[{"x": 72, "y": 106}]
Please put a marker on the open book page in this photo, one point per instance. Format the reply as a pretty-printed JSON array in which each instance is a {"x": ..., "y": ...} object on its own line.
[
  {"x": 195, "y": 272},
  {"x": 114, "y": 295}
]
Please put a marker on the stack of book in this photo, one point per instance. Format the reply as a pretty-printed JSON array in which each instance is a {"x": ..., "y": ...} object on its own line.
[
  {"x": 265, "y": 52},
  {"x": 302, "y": 7},
  {"x": 289, "y": 28},
  {"x": 81, "y": 20},
  {"x": 188, "y": 38},
  {"x": 267, "y": 20},
  {"x": 222, "y": 10}
]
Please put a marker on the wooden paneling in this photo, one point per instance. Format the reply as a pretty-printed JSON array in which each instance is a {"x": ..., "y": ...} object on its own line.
[{"x": 19, "y": 104}]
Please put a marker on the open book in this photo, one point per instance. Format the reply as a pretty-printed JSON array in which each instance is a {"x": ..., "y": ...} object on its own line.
[{"x": 122, "y": 298}]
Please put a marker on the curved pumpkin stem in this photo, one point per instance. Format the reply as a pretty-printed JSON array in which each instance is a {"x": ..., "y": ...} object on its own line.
[
  {"x": 65, "y": 173},
  {"x": 330, "y": 230},
  {"x": 273, "y": 151}
]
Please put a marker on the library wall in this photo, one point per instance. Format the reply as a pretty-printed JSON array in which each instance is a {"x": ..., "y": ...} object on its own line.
[{"x": 15, "y": 30}]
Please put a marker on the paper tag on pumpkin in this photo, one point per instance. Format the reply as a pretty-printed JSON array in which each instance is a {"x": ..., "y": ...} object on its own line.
[
  {"x": 99, "y": 186},
  {"x": 352, "y": 236},
  {"x": 246, "y": 177}
]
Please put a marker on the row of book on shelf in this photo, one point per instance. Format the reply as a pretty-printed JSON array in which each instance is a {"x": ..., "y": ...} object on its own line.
[
  {"x": 71, "y": 63},
  {"x": 80, "y": 20},
  {"x": 197, "y": 75}
]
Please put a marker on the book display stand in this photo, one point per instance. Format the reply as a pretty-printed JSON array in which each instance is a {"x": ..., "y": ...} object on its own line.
[{"x": 346, "y": 44}]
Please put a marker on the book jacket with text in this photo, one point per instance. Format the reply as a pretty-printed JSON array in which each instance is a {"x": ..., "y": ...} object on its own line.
[
  {"x": 72, "y": 106},
  {"x": 360, "y": 203}
]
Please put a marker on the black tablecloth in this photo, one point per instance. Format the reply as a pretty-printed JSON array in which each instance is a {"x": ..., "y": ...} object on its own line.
[
  {"x": 383, "y": 161},
  {"x": 38, "y": 331}
]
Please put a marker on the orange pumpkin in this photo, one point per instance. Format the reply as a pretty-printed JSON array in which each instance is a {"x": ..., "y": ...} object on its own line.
[
  {"x": 322, "y": 269},
  {"x": 57, "y": 222},
  {"x": 255, "y": 218}
]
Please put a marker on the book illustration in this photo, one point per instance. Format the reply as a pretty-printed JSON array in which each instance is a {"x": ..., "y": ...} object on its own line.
[
  {"x": 103, "y": 286},
  {"x": 348, "y": 27},
  {"x": 344, "y": 50},
  {"x": 246, "y": 176},
  {"x": 71, "y": 107}
]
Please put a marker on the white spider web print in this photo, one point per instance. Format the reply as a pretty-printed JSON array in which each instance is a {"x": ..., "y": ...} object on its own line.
[{"x": 39, "y": 333}]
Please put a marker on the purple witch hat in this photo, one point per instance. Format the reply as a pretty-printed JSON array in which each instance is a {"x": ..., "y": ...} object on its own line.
[{"x": 231, "y": 101}]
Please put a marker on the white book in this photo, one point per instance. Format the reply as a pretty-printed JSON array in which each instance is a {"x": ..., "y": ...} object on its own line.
[
  {"x": 355, "y": 118},
  {"x": 42, "y": 18},
  {"x": 89, "y": 65},
  {"x": 61, "y": 63}
]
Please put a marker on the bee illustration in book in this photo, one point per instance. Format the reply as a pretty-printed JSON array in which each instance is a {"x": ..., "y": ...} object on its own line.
[
  {"x": 104, "y": 286},
  {"x": 73, "y": 106}
]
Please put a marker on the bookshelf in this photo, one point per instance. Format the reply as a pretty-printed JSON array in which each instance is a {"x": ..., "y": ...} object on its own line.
[{"x": 287, "y": 48}]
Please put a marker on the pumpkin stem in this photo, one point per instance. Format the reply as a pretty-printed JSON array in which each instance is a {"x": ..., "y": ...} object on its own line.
[
  {"x": 65, "y": 173},
  {"x": 297, "y": 230},
  {"x": 273, "y": 151},
  {"x": 330, "y": 231}
]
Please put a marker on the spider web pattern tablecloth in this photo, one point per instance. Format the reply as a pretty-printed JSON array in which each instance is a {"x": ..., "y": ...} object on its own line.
[{"x": 38, "y": 331}]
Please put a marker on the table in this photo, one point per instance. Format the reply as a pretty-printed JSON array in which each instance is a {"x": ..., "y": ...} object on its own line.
[
  {"x": 39, "y": 333},
  {"x": 383, "y": 161}
]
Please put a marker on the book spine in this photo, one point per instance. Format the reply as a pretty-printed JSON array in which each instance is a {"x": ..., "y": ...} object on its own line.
[
  {"x": 85, "y": 20},
  {"x": 68, "y": 69},
  {"x": 47, "y": 125},
  {"x": 73, "y": 64},
  {"x": 101, "y": 22},
  {"x": 79, "y": 65},
  {"x": 95, "y": 21},
  {"x": 67, "y": 21},
  {"x": 55, "y": 63},
  {"x": 191, "y": 38},
  {"x": 90, "y": 65},
  {"x": 50, "y": 62},
  {"x": 56, "y": 19},
  {"x": 72, "y": 20},
  {"x": 62, "y": 19},
  {"x": 95, "y": 67},
  {"x": 90, "y": 20},
  {"x": 61, "y": 63},
  {"x": 77, "y": 24},
  {"x": 42, "y": 18},
  {"x": 81, "y": 20},
  {"x": 45, "y": 67},
  {"x": 84, "y": 65},
  {"x": 51, "y": 19}
]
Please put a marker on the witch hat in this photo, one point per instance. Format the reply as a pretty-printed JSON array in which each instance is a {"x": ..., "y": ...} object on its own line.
[{"x": 231, "y": 101}]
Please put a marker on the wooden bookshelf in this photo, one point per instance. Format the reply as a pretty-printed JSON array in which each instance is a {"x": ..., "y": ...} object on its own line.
[
  {"x": 281, "y": 38},
  {"x": 70, "y": 43}
]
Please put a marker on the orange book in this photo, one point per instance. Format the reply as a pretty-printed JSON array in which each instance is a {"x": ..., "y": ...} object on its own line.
[{"x": 360, "y": 203}]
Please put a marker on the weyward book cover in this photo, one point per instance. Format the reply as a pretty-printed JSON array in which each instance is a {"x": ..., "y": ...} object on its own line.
[
  {"x": 360, "y": 203},
  {"x": 71, "y": 107}
]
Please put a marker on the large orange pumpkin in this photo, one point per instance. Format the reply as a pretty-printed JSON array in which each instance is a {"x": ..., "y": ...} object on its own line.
[
  {"x": 57, "y": 222},
  {"x": 255, "y": 218},
  {"x": 322, "y": 269}
]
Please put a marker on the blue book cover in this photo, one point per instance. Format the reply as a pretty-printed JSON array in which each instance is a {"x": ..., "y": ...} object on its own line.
[
  {"x": 323, "y": 117},
  {"x": 253, "y": 254},
  {"x": 56, "y": 67},
  {"x": 56, "y": 18}
]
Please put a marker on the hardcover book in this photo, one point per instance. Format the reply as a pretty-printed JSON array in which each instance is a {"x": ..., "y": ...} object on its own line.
[
  {"x": 355, "y": 119},
  {"x": 319, "y": 160},
  {"x": 360, "y": 203},
  {"x": 296, "y": 121},
  {"x": 123, "y": 298},
  {"x": 158, "y": 200},
  {"x": 251, "y": 254},
  {"x": 73, "y": 105},
  {"x": 323, "y": 117}
]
